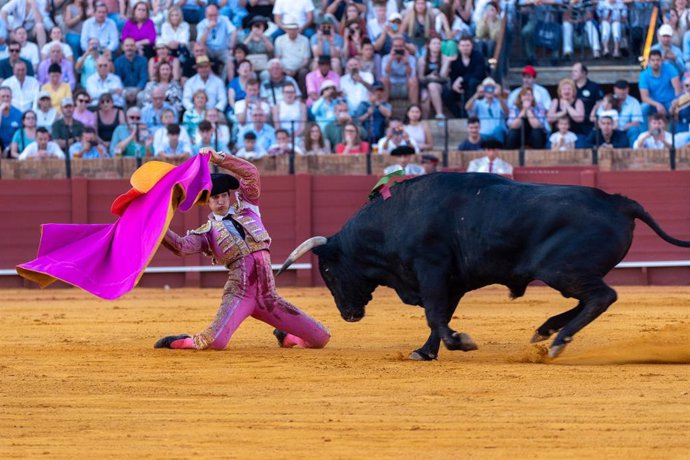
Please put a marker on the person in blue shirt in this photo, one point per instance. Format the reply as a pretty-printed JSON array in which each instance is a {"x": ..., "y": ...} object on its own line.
[
  {"x": 132, "y": 69},
  {"x": 659, "y": 86},
  {"x": 10, "y": 117},
  {"x": 89, "y": 147},
  {"x": 218, "y": 34}
]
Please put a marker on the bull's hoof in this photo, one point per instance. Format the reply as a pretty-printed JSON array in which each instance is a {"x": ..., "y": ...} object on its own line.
[
  {"x": 537, "y": 337},
  {"x": 555, "y": 350},
  {"x": 460, "y": 341},
  {"x": 419, "y": 355}
]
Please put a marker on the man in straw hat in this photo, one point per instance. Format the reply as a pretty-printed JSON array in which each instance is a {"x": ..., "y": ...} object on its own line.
[{"x": 235, "y": 237}]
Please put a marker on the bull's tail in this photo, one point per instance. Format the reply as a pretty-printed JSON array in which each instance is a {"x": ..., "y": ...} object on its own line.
[{"x": 638, "y": 212}]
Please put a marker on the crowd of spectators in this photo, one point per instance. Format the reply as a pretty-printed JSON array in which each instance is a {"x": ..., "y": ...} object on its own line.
[{"x": 166, "y": 78}]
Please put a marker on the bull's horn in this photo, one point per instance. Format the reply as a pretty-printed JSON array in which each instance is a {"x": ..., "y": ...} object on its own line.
[{"x": 302, "y": 249}]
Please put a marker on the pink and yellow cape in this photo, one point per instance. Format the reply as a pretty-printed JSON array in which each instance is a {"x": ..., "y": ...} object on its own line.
[{"x": 107, "y": 260}]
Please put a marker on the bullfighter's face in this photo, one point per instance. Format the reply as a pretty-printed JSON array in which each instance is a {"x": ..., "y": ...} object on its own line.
[{"x": 220, "y": 204}]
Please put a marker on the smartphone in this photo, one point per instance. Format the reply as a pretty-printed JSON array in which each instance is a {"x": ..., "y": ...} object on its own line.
[
  {"x": 490, "y": 89},
  {"x": 399, "y": 52},
  {"x": 326, "y": 31}
]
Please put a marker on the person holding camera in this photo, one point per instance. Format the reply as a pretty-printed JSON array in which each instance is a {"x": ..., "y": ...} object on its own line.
[
  {"x": 131, "y": 139},
  {"x": 89, "y": 147},
  {"x": 396, "y": 137},
  {"x": 327, "y": 42},
  {"x": 489, "y": 105},
  {"x": 657, "y": 137},
  {"x": 102, "y": 28},
  {"x": 399, "y": 73}
]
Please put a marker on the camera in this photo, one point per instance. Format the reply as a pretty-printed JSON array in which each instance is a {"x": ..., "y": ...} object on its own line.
[
  {"x": 398, "y": 132},
  {"x": 326, "y": 31},
  {"x": 490, "y": 89},
  {"x": 399, "y": 52},
  {"x": 656, "y": 131}
]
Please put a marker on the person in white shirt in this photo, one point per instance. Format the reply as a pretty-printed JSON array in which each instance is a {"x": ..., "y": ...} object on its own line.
[
  {"x": 377, "y": 24},
  {"x": 251, "y": 150},
  {"x": 42, "y": 148},
  {"x": 102, "y": 28},
  {"x": 29, "y": 14},
  {"x": 29, "y": 49},
  {"x": 491, "y": 163},
  {"x": 24, "y": 88},
  {"x": 657, "y": 137},
  {"x": 56, "y": 38},
  {"x": 406, "y": 158},
  {"x": 206, "y": 80},
  {"x": 160, "y": 135},
  {"x": 396, "y": 136},
  {"x": 541, "y": 94},
  {"x": 563, "y": 139},
  {"x": 46, "y": 114},
  {"x": 103, "y": 81},
  {"x": 355, "y": 85},
  {"x": 293, "y": 50},
  {"x": 299, "y": 11}
]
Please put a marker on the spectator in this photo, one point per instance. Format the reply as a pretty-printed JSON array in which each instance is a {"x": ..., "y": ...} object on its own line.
[
  {"x": 259, "y": 44},
  {"x": 104, "y": 81},
  {"x": 324, "y": 109},
  {"x": 220, "y": 131},
  {"x": 24, "y": 135},
  {"x": 376, "y": 25},
  {"x": 189, "y": 67},
  {"x": 250, "y": 150},
  {"x": 56, "y": 39},
  {"x": 192, "y": 10},
  {"x": 42, "y": 148},
  {"x": 417, "y": 128},
  {"x": 630, "y": 115},
  {"x": 175, "y": 32},
  {"x": 418, "y": 23},
  {"x": 197, "y": 113},
  {"x": 354, "y": 15},
  {"x": 605, "y": 136},
  {"x": 237, "y": 86},
  {"x": 406, "y": 157},
  {"x": 75, "y": 14},
  {"x": 612, "y": 14},
  {"x": 45, "y": 112},
  {"x": 24, "y": 88},
  {"x": 7, "y": 64},
  {"x": 474, "y": 137},
  {"x": 108, "y": 118},
  {"x": 131, "y": 139},
  {"x": 491, "y": 163},
  {"x": 670, "y": 53},
  {"x": 680, "y": 108},
  {"x": 265, "y": 134},
  {"x": 86, "y": 64},
  {"x": 55, "y": 58},
  {"x": 294, "y": 52},
  {"x": 29, "y": 50},
  {"x": 10, "y": 117},
  {"x": 160, "y": 135},
  {"x": 239, "y": 53},
  {"x": 101, "y": 28},
  {"x": 399, "y": 73},
  {"x": 333, "y": 132},
  {"x": 580, "y": 15},
  {"x": 243, "y": 108},
  {"x": 355, "y": 85},
  {"x": 527, "y": 122},
  {"x": 327, "y": 42},
  {"x": 28, "y": 15},
  {"x": 529, "y": 80},
  {"x": 272, "y": 87},
  {"x": 205, "y": 138},
  {"x": 290, "y": 113},
  {"x": 430, "y": 163},
  {"x": 164, "y": 80},
  {"x": 353, "y": 35},
  {"x": 566, "y": 104},
  {"x": 489, "y": 105},
  {"x": 300, "y": 12},
  {"x": 657, "y": 137},
  {"x": 395, "y": 137},
  {"x": 454, "y": 20},
  {"x": 67, "y": 130},
  {"x": 316, "y": 78},
  {"x": 174, "y": 148},
  {"x": 117, "y": 10},
  {"x": 81, "y": 110},
  {"x": 488, "y": 28},
  {"x": 352, "y": 143},
  {"x": 373, "y": 114},
  {"x": 393, "y": 30},
  {"x": 219, "y": 35},
  {"x": 282, "y": 145},
  {"x": 88, "y": 147},
  {"x": 207, "y": 81},
  {"x": 659, "y": 86},
  {"x": 314, "y": 142},
  {"x": 369, "y": 60},
  {"x": 337, "y": 8},
  {"x": 563, "y": 139},
  {"x": 56, "y": 88},
  {"x": 467, "y": 70},
  {"x": 432, "y": 70},
  {"x": 140, "y": 28},
  {"x": 608, "y": 107},
  {"x": 130, "y": 67},
  {"x": 588, "y": 91},
  {"x": 538, "y": 12},
  {"x": 151, "y": 114}
]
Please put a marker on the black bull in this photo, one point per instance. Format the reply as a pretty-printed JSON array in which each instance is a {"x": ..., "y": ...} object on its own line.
[{"x": 442, "y": 235}]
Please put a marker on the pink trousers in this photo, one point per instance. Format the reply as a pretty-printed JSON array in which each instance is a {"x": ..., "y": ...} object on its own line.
[{"x": 250, "y": 291}]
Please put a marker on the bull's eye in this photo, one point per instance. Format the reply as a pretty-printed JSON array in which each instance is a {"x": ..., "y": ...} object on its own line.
[{"x": 326, "y": 270}]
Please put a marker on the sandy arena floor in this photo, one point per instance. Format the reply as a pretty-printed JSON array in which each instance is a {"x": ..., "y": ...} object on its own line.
[{"x": 79, "y": 376}]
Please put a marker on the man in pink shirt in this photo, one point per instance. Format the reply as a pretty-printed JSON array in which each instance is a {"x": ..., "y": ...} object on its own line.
[{"x": 315, "y": 79}]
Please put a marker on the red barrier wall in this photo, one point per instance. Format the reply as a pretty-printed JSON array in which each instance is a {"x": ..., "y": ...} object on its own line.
[{"x": 297, "y": 207}]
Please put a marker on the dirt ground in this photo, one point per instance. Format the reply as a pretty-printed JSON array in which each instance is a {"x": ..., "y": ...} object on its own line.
[{"x": 79, "y": 376}]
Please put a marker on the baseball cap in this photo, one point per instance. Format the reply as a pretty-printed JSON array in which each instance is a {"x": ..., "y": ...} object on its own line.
[
  {"x": 326, "y": 84},
  {"x": 66, "y": 101},
  {"x": 529, "y": 70},
  {"x": 43, "y": 94},
  {"x": 666, "y": 31},
  {"x": 394, "y": 17}
]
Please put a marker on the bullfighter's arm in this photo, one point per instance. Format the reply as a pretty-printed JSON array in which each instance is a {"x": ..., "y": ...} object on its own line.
[
  {"x": 181, "y": 245},
  {"x": 246, "y": 172}
]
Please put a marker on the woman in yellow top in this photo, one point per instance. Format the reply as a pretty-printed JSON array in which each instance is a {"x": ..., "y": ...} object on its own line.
[{"x": 57, "y": 88}]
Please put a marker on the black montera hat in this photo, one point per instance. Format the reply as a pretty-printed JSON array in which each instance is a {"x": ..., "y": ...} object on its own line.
[
  {"x": 403, "y": 150},
  {"x": 491, "y": 143},
  {"x": 223, "y": 183}
]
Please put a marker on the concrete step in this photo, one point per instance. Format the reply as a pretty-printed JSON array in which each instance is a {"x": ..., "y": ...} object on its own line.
[{"x": 602, "y": 74}]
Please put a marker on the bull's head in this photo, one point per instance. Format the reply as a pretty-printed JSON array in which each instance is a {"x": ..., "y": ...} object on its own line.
[{"x": 350, "y": 289}]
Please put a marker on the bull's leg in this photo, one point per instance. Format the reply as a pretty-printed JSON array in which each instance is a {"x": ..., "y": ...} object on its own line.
[
  {"x": 555, "y": 323},
  {"x": 594, "y": 302},
  {"x": 429, "y": 351}
]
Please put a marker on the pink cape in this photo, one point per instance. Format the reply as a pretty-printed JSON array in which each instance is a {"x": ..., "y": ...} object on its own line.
[{"x": 107, "y": 260}]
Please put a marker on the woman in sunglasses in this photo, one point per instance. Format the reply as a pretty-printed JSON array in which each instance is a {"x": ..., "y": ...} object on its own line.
[
  {"x": 108, "y": 117},
  {"x": 81, "y": 109},
  {"x": 25, "y": 135}
]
